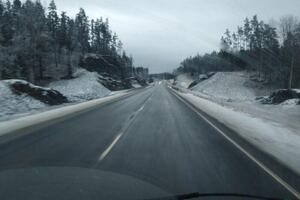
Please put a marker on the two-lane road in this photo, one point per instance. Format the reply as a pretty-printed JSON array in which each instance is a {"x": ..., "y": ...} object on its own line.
[{"x": 151, "y": 136}]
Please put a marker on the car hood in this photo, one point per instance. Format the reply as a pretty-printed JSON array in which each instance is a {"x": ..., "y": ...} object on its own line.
[{"x": 73, "y": 183}]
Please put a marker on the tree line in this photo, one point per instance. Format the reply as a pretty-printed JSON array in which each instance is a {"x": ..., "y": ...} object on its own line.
[
  {"x": 39, "y": 44},
  {"x": 269, "y": 51}
]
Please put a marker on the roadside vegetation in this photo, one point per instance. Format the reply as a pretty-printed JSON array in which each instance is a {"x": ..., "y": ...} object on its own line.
[
  {"x": 269, "y": 52},
  {"x": 40, "y": 45}
]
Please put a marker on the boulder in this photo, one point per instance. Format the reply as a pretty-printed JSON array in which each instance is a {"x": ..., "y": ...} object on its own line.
[{"x": 45, "y": 95}]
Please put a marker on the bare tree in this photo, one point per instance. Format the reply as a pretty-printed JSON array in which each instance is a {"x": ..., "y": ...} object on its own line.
[{"x": 287, "y": 24}]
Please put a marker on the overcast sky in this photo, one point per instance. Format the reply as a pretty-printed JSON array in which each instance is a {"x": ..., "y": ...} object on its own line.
[{"x": 159, "y": 34}]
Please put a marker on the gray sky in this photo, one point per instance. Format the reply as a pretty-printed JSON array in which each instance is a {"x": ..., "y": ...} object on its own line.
[{"x": 161, "y": 33}]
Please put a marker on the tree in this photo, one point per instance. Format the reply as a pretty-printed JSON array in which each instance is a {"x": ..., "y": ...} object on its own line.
[
  {"x": 287, "y": 24},
  {"x": 83, "y": 31},
  {"x": 62, "y": 30},
  {"x": 33, "y": 40},
  {"x": 247, "y": 33},
  {"x": 226, "y": 41},
  {"x": 288, "y": 31},
  {"x": 240, "y": 36},
  {"x": 53, "y": 25}
]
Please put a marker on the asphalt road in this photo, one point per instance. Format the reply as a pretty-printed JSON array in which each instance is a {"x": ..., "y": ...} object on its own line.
[{"x": 151, "y": 136}]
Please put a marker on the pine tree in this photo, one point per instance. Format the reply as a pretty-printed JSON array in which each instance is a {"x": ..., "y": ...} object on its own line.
[
  {"x": 63, "y": 30},
  {"x": 83, "y": 31},
  {"x": 53, "y": 25},
  {"x": 247, "y": 33}
]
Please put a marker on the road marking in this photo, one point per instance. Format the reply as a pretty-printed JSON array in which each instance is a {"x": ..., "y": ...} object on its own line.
[
  {"x": 260, "y": 164},
  {"x": 141, "y": 108},
  {"x": 123, "y": 130},
  {"x": 109, "y": 148}
]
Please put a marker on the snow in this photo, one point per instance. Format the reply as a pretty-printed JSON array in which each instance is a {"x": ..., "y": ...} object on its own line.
[
  {"x": 227, "y": 86},
  {"x": 17, "y": 105},
  {"x": 184, "y": 80},
  {"x": 85, "y": 86},
  {"x": 290, "y": 102},
  {"x": 259, "y": 126},
  {"x": 136, "y": 85},
  {"x": 234, "y": 90},
  {"x": 30, "y": 120},
  {"x": 230, "y": 97},
  {"x": 12, "y": 81}
]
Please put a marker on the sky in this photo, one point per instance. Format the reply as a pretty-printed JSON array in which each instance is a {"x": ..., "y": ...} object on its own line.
[{"x": 159, "y": 34}]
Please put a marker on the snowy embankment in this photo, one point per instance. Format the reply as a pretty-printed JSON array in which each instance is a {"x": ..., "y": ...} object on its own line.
[
  {"x": 184, "y": 80},
  {"x": 23, "y": 101},
  {"x": 230, "y": 99},
  {"x": 85, "y": 86},
  {"x": 15, "y": 105},
  {"x": 20, "y": 123},
  {"x": 236, "y": 91},
  {"x": 281, "y": 142},
  {"x": 231, "y": 86}
]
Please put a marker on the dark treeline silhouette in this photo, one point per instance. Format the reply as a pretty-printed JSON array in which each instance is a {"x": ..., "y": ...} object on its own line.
[
  {"x": 39, "y": 44},
  {"x": 272, "y": 55}
]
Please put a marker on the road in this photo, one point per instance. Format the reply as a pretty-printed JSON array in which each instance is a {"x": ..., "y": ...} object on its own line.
[{"x": 151, "y": 136}]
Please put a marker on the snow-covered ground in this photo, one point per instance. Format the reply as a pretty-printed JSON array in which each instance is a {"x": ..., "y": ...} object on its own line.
[
  {"x": 57, "y": 112},
  {"x": 184, "y": 80},
  {"x": 16, "y": 105},
  {"x": 85, "y": 86},
  {"x": 229, "y": 97},
  {"x": 229, "y": 86},
  {"x": 280, "y": 141}
]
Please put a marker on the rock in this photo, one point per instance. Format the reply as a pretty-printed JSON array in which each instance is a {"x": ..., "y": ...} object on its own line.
[
  {"x": 45, "y": 95},
  {"x": 195, "y": 82},
  {"x": 280, "y": 96}
]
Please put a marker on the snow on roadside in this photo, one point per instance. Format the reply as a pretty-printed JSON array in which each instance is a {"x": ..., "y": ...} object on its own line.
[
  {"x": 280, "y": 141},
  {"x": 184, "y": 80},
  {"x": 7, "y": 127},
  {"x": 17, "y": 105},
  {"x": 227, "y": 86},
  {"x": 234, "y": 90},
  {"x": 136, "y": 85},
  {"x": 85, "y": 86},
  {"x": 290, "y": 102}
]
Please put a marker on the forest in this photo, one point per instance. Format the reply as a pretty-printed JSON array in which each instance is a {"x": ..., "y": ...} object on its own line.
[
  {"x": 268, "y": 51},
  {"x": 39, "y": 44}
]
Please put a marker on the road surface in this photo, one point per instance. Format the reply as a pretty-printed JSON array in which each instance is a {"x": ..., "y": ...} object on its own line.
[{"x": 151, "y": 136}]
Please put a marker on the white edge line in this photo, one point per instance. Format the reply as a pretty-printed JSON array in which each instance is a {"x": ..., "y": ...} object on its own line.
[{"x": 260, "y": 164}]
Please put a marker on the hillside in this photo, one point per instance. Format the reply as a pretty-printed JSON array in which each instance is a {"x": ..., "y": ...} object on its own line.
[
  {"x": 233, "y": 86},
  {"x": 27, "y": 98},
  {"x": 85, "y": 86}
]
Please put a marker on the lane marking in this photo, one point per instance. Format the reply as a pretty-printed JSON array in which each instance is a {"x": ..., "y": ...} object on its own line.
[
  {"x": 141, "y": 108},
  {"x": 123, "y": 130},
  {"x": 260, "y": 164},
  {"x": 109, "y": 148}
]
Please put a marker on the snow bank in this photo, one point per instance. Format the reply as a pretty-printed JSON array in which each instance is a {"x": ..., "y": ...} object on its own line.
[
  {"x": 136, "y": 85},
  {"x": 227, "y": 86},
  {"x": 280, "y": 141},
  {"x": 12, "y": 104},
  {"x": 291, "y": 102},
  {"x": 184, "y": 80},
  {"x": 85, "y": 86},
  {"x": 20, "y": 123}
]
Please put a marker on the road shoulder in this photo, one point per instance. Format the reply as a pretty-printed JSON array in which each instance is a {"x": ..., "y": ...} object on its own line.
[{"x": 278, "y": 168}]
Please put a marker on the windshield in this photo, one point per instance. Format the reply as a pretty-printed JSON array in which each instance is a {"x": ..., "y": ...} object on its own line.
[{"x": 161, "y": 99}]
